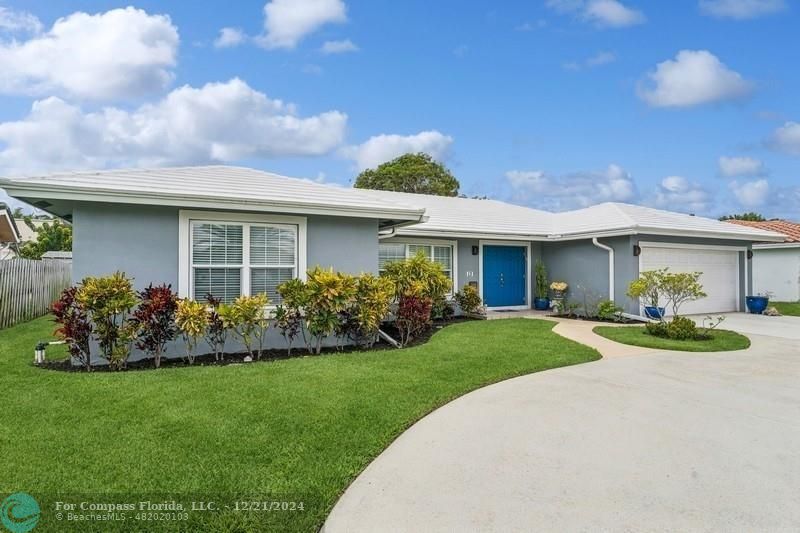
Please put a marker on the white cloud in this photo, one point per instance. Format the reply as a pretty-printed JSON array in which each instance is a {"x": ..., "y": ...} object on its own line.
[
  {"x": 741, "y": 9},
  {"x": 677, "y": 193},
  {"x": 731, "y": 167},
  {"x": 287, "y": 22},
  {"x": 751, "y": 193},
  {"x": 12, "y": 21},
  {"x": 382, "y": 148},
  {"x": 216, "y": 122},
  {"x": 787, "y": 138},
  {"x": 601, "y": 13},
  {"x": 229, "y": 37},
  {"x": 582, "y": 189},
  {"x": 694, "y": 77},
  {"x": 123, "y": 53},
  {"x": 597, "y": 60},
  {"x": 338, "y": 47}
]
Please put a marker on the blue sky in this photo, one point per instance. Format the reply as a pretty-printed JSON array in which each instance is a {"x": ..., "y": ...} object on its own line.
[{"x": 688, "y": 105}]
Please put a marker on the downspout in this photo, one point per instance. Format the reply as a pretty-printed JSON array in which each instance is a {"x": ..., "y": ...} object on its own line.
[
  {"x": 392, "y": 233},
  {"x": 610, "y": 251}
]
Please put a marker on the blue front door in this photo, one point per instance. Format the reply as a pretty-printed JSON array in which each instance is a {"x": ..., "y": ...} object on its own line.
[{"x": 504, "y": 276}]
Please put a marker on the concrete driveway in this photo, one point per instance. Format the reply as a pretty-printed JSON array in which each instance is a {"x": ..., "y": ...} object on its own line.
[{"x": 659, "y": 442}]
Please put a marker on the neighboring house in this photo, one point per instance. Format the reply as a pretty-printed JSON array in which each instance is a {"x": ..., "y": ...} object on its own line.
[
  {"x": 776, "y": 265},
  {"x": 57, "y": 255},
  {"x": 9, "y": 234},
  {"x": 232, "y": 230}
]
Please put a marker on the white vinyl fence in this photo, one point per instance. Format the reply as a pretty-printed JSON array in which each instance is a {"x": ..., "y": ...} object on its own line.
[{"x": 29, "y": 287}]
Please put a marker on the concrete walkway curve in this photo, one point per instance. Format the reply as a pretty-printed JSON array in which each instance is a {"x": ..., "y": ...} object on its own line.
[{"x": 668, "y": 441}]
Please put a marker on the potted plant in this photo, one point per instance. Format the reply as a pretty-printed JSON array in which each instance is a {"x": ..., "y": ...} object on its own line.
[
  {"x": 648, "y": 290},
  {"x": 559, "y": 289},
  {"x": 757, "y": 304},
  {"x": 540, "y": 301}
]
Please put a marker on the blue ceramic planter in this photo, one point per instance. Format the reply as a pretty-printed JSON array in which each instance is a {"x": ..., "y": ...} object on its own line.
[
  {"x": 655, "y": 313},
  {"x": 541, "y": 304},
  {"x": 757, "y": 304}
]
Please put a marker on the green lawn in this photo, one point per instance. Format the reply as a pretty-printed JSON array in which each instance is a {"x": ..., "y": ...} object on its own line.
[
  {"x": 787, "y": 308},
  {"x": 297, "y": 430},
  {"x": 722, "y": 340}
]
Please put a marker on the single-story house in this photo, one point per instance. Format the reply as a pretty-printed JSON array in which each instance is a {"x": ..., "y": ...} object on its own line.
[
  {"x": 776, "y": 265},
  {"x": 232, "y": 230}
]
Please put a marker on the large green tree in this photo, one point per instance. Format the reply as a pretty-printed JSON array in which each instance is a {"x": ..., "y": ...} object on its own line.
[
  {"x": 753, "y": 217},
  {"x": 55, "y": 236},
  {"x": 415, "y": 173}
]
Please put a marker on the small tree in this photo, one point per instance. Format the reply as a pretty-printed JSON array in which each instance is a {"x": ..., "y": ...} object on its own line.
[
  {"x": 414, "y": 173},
  {"x": 75, "y": 328},
  {"x": 681, "y": 287},
  {"x": 108, "y": 301},
  {"x": 154, "y": 319},
  {"x": 191, "y": 317},
  {"x": 750, "y": 216},
  {"x": 648, "y": 287}
]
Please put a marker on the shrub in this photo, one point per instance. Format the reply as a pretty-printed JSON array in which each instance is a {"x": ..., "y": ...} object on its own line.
[
  {"x": 289, "y": 315},
  {"x": 154, "y": 320},
  {"x": 75, "y": 328},
  {"x": 540, "y": 290},
  {"x": 327, "y": 295},
  {"x": 372, "y": 299},
  {"x": 589, "y": 302},
  {"x": 418, "y": 276},
  {"x": 247, "y": 319},
  {"x": 681, "y": 328},
  {"x": 657, "y": 329},
  {"x": 191, "y": 317},
  {"x": 608, "y": 310},
  {"x": 216, "y": 331},
  {"x": 442, "y": 310},
  {"x": 413, "y": 316},
  {"x": 108, "y": 301},
  {"x": 468, "y": 299}
]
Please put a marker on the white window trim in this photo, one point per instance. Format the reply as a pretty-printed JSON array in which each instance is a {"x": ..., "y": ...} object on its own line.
[
  {"x": 185, "y": 219},
  {"x": 433, "y": 242},
  {"x": 528, "y": 272}
]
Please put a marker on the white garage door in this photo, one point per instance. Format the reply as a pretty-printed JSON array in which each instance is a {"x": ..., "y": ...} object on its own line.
[{"x": 720, "y": 276}]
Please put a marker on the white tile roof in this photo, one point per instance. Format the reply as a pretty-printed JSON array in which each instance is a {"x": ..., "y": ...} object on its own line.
[
  {"x": 227, "y": 187},
  {"x": 465, "y": 217},
  {"x": 208, "y": 186}
]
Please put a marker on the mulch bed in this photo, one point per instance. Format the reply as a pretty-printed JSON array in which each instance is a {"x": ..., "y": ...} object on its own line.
[
  {"x": 298, "y": 350},
  {"x": 597, "y": 319}
]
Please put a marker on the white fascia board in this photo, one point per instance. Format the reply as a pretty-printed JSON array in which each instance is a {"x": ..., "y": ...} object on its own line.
[
  {"x": 776, "y": 245},
  {"x": 236, "y": 204}
]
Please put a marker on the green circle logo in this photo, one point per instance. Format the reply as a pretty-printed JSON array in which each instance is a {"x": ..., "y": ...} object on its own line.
[{"x": 20, "y": 512}]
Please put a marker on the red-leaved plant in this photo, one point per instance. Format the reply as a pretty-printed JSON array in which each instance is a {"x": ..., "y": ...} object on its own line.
[
  {"x": 413, "y": 316},
  {"x": 74, "y": 326},
  {"x": 155, "y": 320}
]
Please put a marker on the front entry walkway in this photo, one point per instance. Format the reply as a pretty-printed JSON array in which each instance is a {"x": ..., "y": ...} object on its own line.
[{"x": 664, "y": 442}]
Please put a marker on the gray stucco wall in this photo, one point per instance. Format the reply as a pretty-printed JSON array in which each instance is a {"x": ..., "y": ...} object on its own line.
[
  {"x": 142, "y": 241},
  {"x": 581, "y": 263},
  {"x": 584, "y": 266}
]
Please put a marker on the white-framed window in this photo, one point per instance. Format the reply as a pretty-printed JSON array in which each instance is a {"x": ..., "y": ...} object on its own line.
[
  {"x": 443, "y": 252},
  {"x": 231, "y": 254}
]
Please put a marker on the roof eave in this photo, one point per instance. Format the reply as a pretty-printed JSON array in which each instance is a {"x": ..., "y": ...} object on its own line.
[{"x": 17, "y": 190}]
